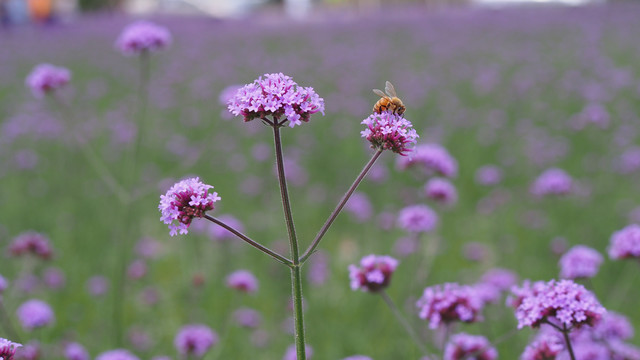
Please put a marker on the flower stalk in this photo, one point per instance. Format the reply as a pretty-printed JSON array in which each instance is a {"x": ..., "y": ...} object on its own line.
[{"x": 340, "y": 206}]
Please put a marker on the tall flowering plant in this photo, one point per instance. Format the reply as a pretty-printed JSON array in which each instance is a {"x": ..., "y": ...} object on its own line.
[{"x": 278, "y": 101}]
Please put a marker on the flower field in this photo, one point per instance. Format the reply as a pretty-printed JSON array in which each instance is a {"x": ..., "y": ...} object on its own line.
[{"x": 506, "y": 216}]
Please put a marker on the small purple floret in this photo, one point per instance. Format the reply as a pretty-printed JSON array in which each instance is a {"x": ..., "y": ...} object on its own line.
[{"x": 443, "y": 304}]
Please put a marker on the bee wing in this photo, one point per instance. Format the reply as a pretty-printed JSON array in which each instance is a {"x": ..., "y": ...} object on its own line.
[
  {"x": 391, "y": 91},
  {"x": 379, "y": 93}
]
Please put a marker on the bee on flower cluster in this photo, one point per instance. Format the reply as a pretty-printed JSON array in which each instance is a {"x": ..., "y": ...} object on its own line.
[{"x": 388, "y": 101}]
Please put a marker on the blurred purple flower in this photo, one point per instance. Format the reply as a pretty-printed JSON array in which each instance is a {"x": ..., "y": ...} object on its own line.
[
  {"x": 629, "y": 161},
  {"x": 186, "y": 200},
  {"x": 220, "y": 233},
  {"x": 545, "y": 346},
  {"x": 625, "y": 243},
  {"x": 97, "y": 285},
  {"x": 117, "y": 354},
  {"x": 433, "y": 158},
  {"x": 475, "y": 251},
  {"x": 444, "y": 304},
  {"x": 552, "y": 181},
  {"x": 406, "y": 246},
  {"x": 276, "y": 95},
  {"x": 441, "y": 190},
  {"x": 54, "y": 278},
  {"x": 247, "y": 317},
  {"x": 30, "y": 351},
  {"x": 46, "y": 78},
  {"x": 3, "y": 285},
  {"x": 318, "y": 268},
  {"x": 488, "y": 175},
  {"x": 417, "y": 218},
  {"x": 374, "y": 273},
  {"x": 359, "y": 207},
  {"x": 562, "y": 303},
  {"x": 148, "y": 247},
  {"x": 137, "y": 269},
  {"x": 33, "y": 243},
  {"x": 195, "y": 339},
  {"x": 580, "y": 262},
  {"x": 503, "y": 279},
  {"x": 142, "y": 36},
  {"x": 243, "y": 281},
  {"x": 75, "y": 351},
  {"x": 389, "y": 131},
  {"x": 586, "y": 351},
  {"x": 34, "y": 314},
  {"x": 613, "y": 326},
  {"x": 465, "y": 346}
]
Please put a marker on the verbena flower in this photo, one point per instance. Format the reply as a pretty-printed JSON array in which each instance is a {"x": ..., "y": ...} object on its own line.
[
  {"x": 195, "y": 339},
  {"x": 117, "y": 354},
  {"x": 528, "y": 289},
  {"x": 502, "y": 279},
  {"x": 433, "y": 158},
  {"x": 30, "y": 351},
  {"x": 8, "y": 349},
  {"x": 46, "y": 78},
  {"x": 374, "y": 273},
  {"x": 97, "y": 285},
  {"x": 243, "y": 281},
  {"x": 33, "y": 243},
  {"x": 443, "y": 304},
  {"x": 75, "y": 351},
  {"x": 53, "y": 278},
  {"x": 389, "y": 131},
  {"x": 247, "y": 317},
  {"x": 612, "y": 326},
  {"x": 545, "y": 346},
  {"x": 552, "y": 182},
  {"x": 465, "y": 346},
  {"x": 580, "y": 262},
  {"x": 488, "y": 175},
  {"x": 276, "y": 95},
  {"x": 186, "y": 200},
  {"x": 562, "y": 303},
  {"x": 417, "y": 218},
  {"x": 142, "y": 36},
  {"x": 587, "y": 351},
  {"x": 34, "y": 314},
  {"x": 625, "y": 243},
  {"x": 441, "y": 190}
]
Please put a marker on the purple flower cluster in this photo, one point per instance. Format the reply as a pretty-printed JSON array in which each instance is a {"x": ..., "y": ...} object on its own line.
[
  {"x": 117, "y": 354},
  {"x": 8, "y": 349},
  {"x": 389, "y": 131},
  {"x": 142, "y": 36},
  {"x": 34, "y": 314},
  {"x": 625, "y": 243},
  {"x": 433, "y": 158},
  {"x": 195, "y": 339},
  {"x": 443, "y": 304},
  {"x": 75, "y": 351},
  {"x": 580, "y": 262},
  {"x": 186, "y": 200},
  {"x": 488, "y": 175},
  {"x": 374, "y": 273},
  {"x": 33, "y": 243},
  {"x": 46, "y": 78},
  {"x": 417, "y": 218},
  {"x": 465, "y": 346},
  {"x": 547, "y": 345},
  {"x": 276, "y": 95},
  {"x": 243, "y": 281},
  {"x": 441, "y": 190},
  {"x": 552, "y": 181},
  {"x": 563, "y": 303}
]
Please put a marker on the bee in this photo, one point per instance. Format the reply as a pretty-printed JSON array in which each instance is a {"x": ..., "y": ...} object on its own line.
[{"x": 389, "y": 101}]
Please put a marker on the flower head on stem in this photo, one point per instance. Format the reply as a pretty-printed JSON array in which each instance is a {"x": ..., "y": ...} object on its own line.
[
  {"x": 276, "y": 95},
  {"x": 187, "y": 199},
  {"x": 46, "y": 78},
  {"x": 8, "y": 349},
  {"x": 374, "y": 273},
  {"x": 389, "y": 131},
  {"x": 143, "y": 36}
]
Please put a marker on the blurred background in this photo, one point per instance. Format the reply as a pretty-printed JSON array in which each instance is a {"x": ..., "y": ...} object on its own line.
[{"x": 19, "y": 11}]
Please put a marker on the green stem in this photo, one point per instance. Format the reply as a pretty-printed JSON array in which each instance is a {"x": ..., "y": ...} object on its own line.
[
  {"x": 281, "y": 259},
  {"x": 341, "y": 204},
  {"x": 296, "y": 281},
  {"x": 565, "y": 333},
  {"x": 403, "y": 321}
]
